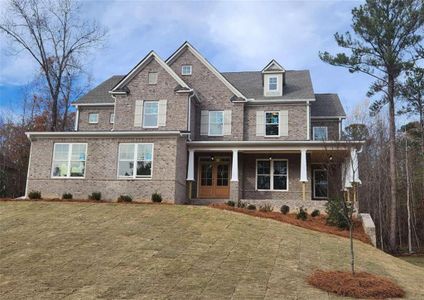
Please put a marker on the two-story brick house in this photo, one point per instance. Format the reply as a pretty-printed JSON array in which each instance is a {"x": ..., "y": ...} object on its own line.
[{"x": 182, "y": 128}]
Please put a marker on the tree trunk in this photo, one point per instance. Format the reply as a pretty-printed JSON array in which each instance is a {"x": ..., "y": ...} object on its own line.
[
  {"x": 408, "y": 208},
  {"x": 392, "y": 160},
  {"x": 352, "y": 253}
]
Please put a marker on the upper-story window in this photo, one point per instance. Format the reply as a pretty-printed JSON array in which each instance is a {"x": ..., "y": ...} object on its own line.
[
  {"x": 273, "y": 83},
  {"x": 135, "y": 160},
  {"x": 272, "y": 123},
  {"x": 153, "y": 77},
  {"x": 216, "y": 123},
  {"x": 150, "y": 114},
  {"x": 93, "y": 118},
  {"x": 112, "y": 118},
  {"x": 320, "y": 133},
  {"x": 186, "y": 70},
  {"x": 69, "y": 160}
]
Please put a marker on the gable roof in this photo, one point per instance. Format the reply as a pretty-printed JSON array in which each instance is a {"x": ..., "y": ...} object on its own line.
[
  {"x": 298, "y": 85},
  {"x": 208, "y": 65},
  {"x": 100, "y": 94},
  {"x": 141, "y": 65},
  {"x": 327, "y": 105},
  {"x": 273, "y": 66}
]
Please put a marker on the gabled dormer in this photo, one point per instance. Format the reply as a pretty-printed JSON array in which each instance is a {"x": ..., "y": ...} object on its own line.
[{"x": 273, "y": 78}]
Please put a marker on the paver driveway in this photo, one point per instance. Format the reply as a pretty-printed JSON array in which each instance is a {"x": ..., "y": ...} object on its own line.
[{"x": 111, "y": 251}]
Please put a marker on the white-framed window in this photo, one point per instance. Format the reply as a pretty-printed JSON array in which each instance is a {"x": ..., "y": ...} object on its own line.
[
  {"x": 272, "y": 123},
  {"x": 153, "y": 77},
  {"x": 112, "y": 118},
  {"x": 320, "y": 133},
  {"x": 186, "y": 70},
  {"x": 93, "y": 118},
  {"x": 216, "y": 123},
  {"x": 320, "y": 184},
  {"x": 135, "y": 160},
  {"x": 150, "y": 114},
  {"x": 272, "y": 175},
  {"x": 69, "y": 160},
  {"x": 273, "y": 83}
]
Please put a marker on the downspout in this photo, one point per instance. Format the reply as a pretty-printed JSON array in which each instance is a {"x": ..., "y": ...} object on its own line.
[
  {"x": 114, "y": 113},
  {"x": 189, "y": 115},
  {"x": 76, "y": 119}
]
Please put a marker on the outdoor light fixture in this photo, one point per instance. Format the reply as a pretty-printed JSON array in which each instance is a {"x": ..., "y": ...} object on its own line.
[
  {"x": 212, "y": 158},
  {"x": 270, "y": 158},
  {"x": 330, "y": 158}
]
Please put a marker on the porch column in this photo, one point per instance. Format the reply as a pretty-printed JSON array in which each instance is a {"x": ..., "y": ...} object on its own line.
[
  {"x": 303, "y": 172},
  {"x": 190, "y": 168},
  {"x": 234, "y": 169}
]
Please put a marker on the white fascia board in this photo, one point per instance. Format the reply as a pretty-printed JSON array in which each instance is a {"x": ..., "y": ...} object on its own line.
[
  {"x": 329, "y": 117},
  {"x": 207, "y": 64},
  {"x": 300, "y": 142},
  {"x": 78, "y": 134},
  {"x": 140, "y": 66},
  {"x": 264, "y": 70},
  {"x": 93, "y": 104}
]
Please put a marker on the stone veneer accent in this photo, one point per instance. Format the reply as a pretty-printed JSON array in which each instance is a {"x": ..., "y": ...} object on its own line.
[
  {"x": 104, "y": 117},
  {"x": 169, "y": 157}
]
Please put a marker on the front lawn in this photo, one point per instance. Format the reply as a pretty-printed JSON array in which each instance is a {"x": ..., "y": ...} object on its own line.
[{"x": 51, "y": 250}]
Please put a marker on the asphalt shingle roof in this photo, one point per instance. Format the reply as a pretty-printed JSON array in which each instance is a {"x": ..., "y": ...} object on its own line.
[
  {"x": 327, "y": 105},
  {"x": 100, "y": 94},
  {"x": 298, "y": 84}
]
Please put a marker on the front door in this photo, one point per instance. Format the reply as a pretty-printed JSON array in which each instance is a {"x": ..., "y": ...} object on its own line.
[{"x": 214, "y": 179}]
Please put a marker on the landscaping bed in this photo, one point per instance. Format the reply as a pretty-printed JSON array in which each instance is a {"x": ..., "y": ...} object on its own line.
[{"x": 317, "y": 223}]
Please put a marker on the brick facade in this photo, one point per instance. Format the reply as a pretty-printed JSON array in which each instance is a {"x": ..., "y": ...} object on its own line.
[
  {"x": 104, "y": 118},
  {"x": 332, "y": 128}
]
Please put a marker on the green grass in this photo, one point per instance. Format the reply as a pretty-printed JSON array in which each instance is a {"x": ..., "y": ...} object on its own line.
[
  {"x": 112, "y": 251},
  {"x": 416, "y": 260}
]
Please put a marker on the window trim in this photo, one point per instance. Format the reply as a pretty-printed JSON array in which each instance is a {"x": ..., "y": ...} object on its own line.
[
  {"x": 276, "y": 84},
  {"x": 144, "y": 112},
  {"x": 313, "y": 184},
  {"x": 68, "y": 175},
  {"x": 209, "y": 122},
  {"x": 271, "y": 174},
  {"x": 186, "y": 74},
  {"x": 313, "y": 132},
  {"x": 134, "y": 176},
  {"x": 112, "y": 118},
  {"x": 97, "y": 119},
  {"x": 148, "y": 78},
  {"x": 279, "y": 124}
]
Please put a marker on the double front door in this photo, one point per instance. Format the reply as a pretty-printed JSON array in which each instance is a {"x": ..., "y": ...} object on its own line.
[{"x": 214, "y": 178}]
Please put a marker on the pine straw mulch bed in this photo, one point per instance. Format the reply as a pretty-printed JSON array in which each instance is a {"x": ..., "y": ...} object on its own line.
[
  {"x": 313, "y": 223},
  {"x": 362, "y": 285}
]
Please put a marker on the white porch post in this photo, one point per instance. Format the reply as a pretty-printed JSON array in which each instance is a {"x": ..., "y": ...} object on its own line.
[
  {"x": 190, "y": 168},
  {"x": 234, "y": 168},
  {"x": 303, "y": 172}
]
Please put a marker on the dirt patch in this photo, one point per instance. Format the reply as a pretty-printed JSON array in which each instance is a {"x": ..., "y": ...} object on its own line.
[
  {"x": 362, "y": 285},
  {"x": 313, "y": 223}
]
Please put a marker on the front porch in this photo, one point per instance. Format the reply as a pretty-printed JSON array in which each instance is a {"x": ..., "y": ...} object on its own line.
[{"x": 276, "y": 174}]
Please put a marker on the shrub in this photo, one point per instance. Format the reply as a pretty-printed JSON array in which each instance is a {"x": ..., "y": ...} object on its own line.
[
  {"x": 285, "y": 209},
  {"x": 231, "y": 203},
  {"x": 315, "y": 213},
  {"x": 266, "y": 207},
  {"x": 34, "y": 195},
  {"x": 302, "y": 214},
  {"x": 251, "y": 206},
  {"x": 125, "y": 198},
  {"x": 156, "y": 197},
  {"x": 334, "y": 210},
  {"x": 67, "y": 196},
  {"x": 95, "y": 196},
  {"x": 241, "y": 204}
]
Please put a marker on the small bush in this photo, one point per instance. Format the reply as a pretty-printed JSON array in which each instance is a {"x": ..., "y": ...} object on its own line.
[
  {"x": 67, "y": 196},
  {"x": 285, "y": 209},
  {"x": 302, "y": 214},
  {"x": 315, "y": 213},
  {"x": 241, "y": 204},
  {"x": 95, "y": 196},
  {"x": 266, "y": 207},
  {"x": 125, "y": 198},
  {"x": 231, "y": 203},
  {"x": 34, "y": 195},
  {"x": 156, "y": 197},
  {"x": 251, "y": 206},
  {"x": 334, "y": 210}
]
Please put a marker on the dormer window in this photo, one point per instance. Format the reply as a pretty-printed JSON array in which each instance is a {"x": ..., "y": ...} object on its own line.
[
  {"x": 273, "y": 83},
  {"x": 186, "y": 70}
]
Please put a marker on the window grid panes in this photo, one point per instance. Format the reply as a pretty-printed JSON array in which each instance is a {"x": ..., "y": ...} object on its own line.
[
  {"x": 135, "y": 160},
  {"x": 69, "y": 160},
  {"x": 320, "y": 183},
  {"x": 272, "y": 123},
  {"x": 216, "y": 123},
  {"x": 272, "y": 175},
  {"x": 186, "y": 70},
  {"x": 272, "y": 83},
  {"x": 93, "y": 118},
  {"x": 150, "y": 114},
  {"x": 320, "y": 133}
]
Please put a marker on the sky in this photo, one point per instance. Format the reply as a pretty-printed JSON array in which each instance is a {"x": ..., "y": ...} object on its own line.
[{"x": 233, "y": 36}]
